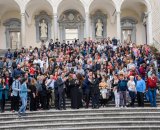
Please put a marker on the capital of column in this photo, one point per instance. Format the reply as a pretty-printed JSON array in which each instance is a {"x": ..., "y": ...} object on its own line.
[
  {"x": 22, "y": 15},
  {"x": 55, "y": 15},
  {"x": 118, "y": 13},
  {"x": 87, "y": 14}
]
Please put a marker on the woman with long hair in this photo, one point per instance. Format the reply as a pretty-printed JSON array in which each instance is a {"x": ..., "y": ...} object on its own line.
[
  {"x": 115, "y": 90},
  {"x": 80, "y": 91},
  {"x": 4, "y": 89},
  {"x": 95, "y": 93},
  {"x": 32, "y": 95}
]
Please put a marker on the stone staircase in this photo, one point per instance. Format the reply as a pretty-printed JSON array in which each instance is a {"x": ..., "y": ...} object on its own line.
[
  {"x": 85, "y": 119},
  {"x": 156, "y": 44},
  {"x": 104, "y": 118}
]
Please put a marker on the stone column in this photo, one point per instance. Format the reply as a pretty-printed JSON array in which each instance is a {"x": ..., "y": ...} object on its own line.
[
  {"x": 87, "y": 26},
  {"x": 119, "y": 26},
  {"x": 149, "y": 28},
  {"x": 23, "y": 31},
  {"x": 55, "y": 18}
]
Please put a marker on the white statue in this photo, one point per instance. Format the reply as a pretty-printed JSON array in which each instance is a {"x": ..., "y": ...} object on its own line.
[
  {"x": 43, "y": 29},
  {"x": 99, "y": 28}
]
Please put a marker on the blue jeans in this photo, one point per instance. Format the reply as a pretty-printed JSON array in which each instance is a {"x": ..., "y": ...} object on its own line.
[
  {"x": 152, "y": 96},
  {"x": 24, "y": 105}
]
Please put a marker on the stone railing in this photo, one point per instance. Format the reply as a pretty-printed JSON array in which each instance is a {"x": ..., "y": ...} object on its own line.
[{"x": 156, "y": 44}]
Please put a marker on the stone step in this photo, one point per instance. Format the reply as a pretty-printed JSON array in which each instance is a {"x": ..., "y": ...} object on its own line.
[
  {"x": 79, "y": 111},
  {"x": 83, "y": 124},
  {"x": 88, "y": 119},
  {"x": 147, "y": 127},
  {"x": 110, "y": 104},
  {"x": 81, "y": 115},
  {"x": 76, "y": 120}
]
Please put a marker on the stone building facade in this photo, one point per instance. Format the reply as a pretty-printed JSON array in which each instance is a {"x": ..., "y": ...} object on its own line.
[{"x": 27, "y": 22}]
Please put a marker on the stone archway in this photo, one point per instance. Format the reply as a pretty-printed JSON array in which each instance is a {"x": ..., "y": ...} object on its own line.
[{"x": 71, "y": 19}]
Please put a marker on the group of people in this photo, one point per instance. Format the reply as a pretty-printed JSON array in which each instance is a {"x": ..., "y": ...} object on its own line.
[{"x": 89, "y": 73}]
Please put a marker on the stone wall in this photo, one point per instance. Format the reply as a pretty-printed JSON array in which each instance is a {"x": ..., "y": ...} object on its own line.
[{"x": 156, "y": 19}]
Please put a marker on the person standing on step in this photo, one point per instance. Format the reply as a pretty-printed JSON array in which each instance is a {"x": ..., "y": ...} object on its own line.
[
  {"x": 15, "y": 94},
  {"x": 95, "y": 91},
  {"x": 44, "y": 95},
  {"x": 88, "y": 85},
  {"x": 50, "y": 87},
  {"x": 59, "y": 92},
  {"x": 32, "y": 95},
  {"x": 4, "y": 89},
  {"x": 140, "y": 87},
  {"x": 74, "y": 85},
  {"x": 132, "y": 90},
  {"x": 122, "y": 89},
  {"x": 115, "y": 90},
  {"x": 23, "y": 95},
  {"x": 152, "y": 89}
]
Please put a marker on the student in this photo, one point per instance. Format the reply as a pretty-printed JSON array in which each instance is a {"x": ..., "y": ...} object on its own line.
[
  {"x": 23, "y": 95},
  {"x": 15, "y": 94},
  {"x": 122, "y": 89},
  {"x": 140, "y": 87},
  {"x": 152, "y": 88},
  {"x": 116, "y": 93},
  {"x": 132, "y": 90},
  {"x": 4, "y": 89}
]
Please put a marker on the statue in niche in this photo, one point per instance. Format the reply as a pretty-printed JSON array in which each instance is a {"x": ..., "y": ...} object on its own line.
[
  {"x": 99, "y": 28},
  {"x": 43, "y": 29}
]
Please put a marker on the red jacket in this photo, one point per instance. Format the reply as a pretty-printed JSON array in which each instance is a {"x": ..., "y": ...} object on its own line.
[
  {"x": 142, "y": 71},
  {"x": 152, "y": 82},
  {"x": 32, "y": 71}
]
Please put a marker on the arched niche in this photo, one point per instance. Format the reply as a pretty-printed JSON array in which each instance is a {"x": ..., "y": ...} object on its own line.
[
  {"x": 38, "y": 20},
  {"x": 99, "y": 15},
  {"x": 71, "y": 19}
]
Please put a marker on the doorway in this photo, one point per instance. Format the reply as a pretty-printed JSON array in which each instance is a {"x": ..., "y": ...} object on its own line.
[
  {"x": 15, "y": 39},
  {"x": 128, "y": 30},
  {"x": 71, "y": 34},
  {"x": 127, "y": 35},
  {"x": 13, "y": 35}
]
